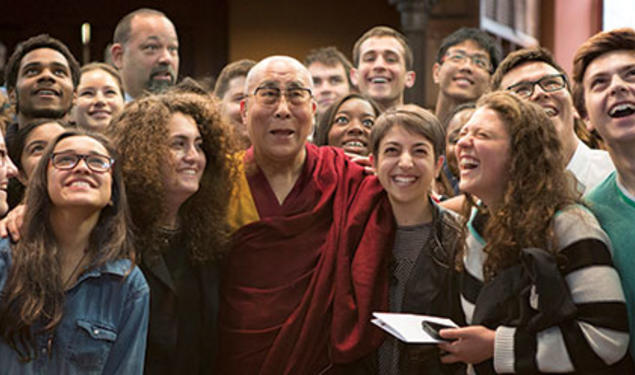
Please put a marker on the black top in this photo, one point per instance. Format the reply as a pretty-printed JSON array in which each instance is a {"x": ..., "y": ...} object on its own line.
[{"x": 182, "y": 334}]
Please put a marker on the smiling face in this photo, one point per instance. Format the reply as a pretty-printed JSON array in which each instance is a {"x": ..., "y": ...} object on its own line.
[
  {"x": 34, "y": 145},
  {"x": 452, "y": 136},
  {"x": 186, "y": 162},
  {"x": 483, "y": 153},
  {"x": 351, "y": 126},
  {"x": 609, "y": 97},
  {"x": 462, "y": 81},
  {"x": 278, "y": 131},
  {"x": 150, "y": 58},
  {"x": 406, "y": 166},
  {"x": 381, "y": 73},
  {"x": 44, "y": 86},
  {"x": 329, "y": 83},
  {"x": 99, "y": 99},
  {"x": 557, "y": 104},
  {"x": 79, "y": 187}
]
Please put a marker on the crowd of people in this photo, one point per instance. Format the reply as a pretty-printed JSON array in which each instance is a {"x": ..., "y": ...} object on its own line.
[{"x": 163, "y": 227}]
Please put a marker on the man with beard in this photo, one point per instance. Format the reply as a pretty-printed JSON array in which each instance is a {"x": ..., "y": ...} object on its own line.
[
  {"x": 41, "y": 77},
  {"x": 146, "y": 51},
  {"x": 465, "y": 62}
]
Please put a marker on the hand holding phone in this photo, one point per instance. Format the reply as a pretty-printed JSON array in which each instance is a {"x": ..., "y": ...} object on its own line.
[{"x": 432, "y": 329}]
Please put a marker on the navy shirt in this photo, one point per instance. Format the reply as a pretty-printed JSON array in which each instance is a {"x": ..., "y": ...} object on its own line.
[{"x": 103, "y": 329}]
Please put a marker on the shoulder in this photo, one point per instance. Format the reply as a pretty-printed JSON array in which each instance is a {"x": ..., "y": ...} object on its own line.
[
  {"x": 574, "y": 223},
  {"x": 133, "y": 279},
  {"x": 607, "y": 186}
]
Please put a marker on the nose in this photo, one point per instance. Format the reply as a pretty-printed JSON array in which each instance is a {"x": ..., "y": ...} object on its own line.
[
  {"x": 463, "y": 141},
  {"x": 82, "y": 167},
  {"x": 46, "y": 75},
  {"x": 191, "y": 153},
  {"x": 355, "y": 127},
  {"x": 282, "y": 109},
  {"x": 405, "y": 160},
  {"x": 166, "y": 57},
  {"x": 99, "y": 98},
  {"x": 12, "y": 170},
  {"x": 537, "y": 92},
  {"x": 379, "y": 63},
  {"x": 617, "y": 84}
]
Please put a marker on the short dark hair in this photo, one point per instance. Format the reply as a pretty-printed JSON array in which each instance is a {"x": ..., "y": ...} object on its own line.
[
  {"x": 594, "y": 47},
  {"x": 124, "y": 27},
  {"x": 238, "y": 68},
  {"x": 413, "y": 119},
  {"x": 522, "y": 56},
  {"x": 480, "y": 37},
  {"x": 384, "y": 32},
  {"x": 325, "y": 121},
  {"x": 16, "y": 137},
  {"x": 33, "y": 43}
]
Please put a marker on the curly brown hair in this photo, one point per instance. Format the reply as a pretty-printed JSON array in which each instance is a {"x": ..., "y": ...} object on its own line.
[
  {"x": 538, "y": 184},
  {"x": 141, "y": 134}
]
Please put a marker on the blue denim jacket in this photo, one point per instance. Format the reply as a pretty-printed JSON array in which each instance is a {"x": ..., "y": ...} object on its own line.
[{"x": 103, "y": 329}]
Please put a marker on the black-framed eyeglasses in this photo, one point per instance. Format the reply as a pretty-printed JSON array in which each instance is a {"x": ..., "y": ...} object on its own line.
[
  {"x": 271, "y": 95},
  {"x": 550, "y": 83},
  {"x": 69, "y": 160},
  {"x": 459, "y": 57}
]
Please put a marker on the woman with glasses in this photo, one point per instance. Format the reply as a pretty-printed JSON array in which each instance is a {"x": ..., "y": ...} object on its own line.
[
  {"x": 178, "y": 177},
  {"x": 72, "y": 300},
  {"x": 407, "y": 147},
  {"x": 538, "y": 289},
  {"x": 347, "y": 123}
]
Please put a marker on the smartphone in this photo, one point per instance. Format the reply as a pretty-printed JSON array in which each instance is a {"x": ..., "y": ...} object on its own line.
[{"x": 432, "y": 329}]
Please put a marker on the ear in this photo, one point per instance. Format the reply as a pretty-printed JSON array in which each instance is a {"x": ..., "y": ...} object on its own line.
[
  {"x": 435, "y": 72},
  {"x": 116, "y": 51},
  {"x": 410, "y": 78},
  {"x": 353, "y": 75},
  {"x": 437, "y": 168}
]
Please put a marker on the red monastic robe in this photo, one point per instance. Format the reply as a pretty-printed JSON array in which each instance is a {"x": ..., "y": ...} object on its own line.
[{"x": 303, "y": 278}]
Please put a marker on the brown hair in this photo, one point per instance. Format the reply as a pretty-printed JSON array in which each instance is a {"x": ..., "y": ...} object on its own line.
[
  {"x": 238, "y": 68},
  {"x": 141, "y": 134},
  {"x": 330, "y": 56},
  {"x": 594, "y": 47},
  {"x": 539, "y": 54},
  {"x": 325, "y": 122},
  {"x": 413, "y": 119},
  {"x": 384, "y": 32},
  {"x": 106, "y": 68},
  {"x": 538, "y": 184},
  {"x": 34, "y": 290}
]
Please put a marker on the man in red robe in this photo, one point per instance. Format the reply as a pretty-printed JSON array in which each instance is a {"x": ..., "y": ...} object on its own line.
[{"x": 309, "y": 258}]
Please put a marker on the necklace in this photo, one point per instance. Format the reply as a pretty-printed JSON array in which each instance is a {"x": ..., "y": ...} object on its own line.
[{"x": 70, "y": 277}]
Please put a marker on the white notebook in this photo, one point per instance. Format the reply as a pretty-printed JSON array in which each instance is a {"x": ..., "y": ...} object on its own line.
[{"x": 407, "y": 327}]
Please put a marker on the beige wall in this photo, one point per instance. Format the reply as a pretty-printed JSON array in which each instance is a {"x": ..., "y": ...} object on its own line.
[{"x": 261, "y": 28}]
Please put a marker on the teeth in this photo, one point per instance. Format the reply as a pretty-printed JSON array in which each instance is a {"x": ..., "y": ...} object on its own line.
[
  {"x": 379, "y": 80},
  {"x": 403, "y": 179},
  {"x": 550, "y": 111},
  {"x": 622, "y": 110},
  {"x": 46, "y": 92},
  {"x": 354, "y": 144},
  {"x": 189, "y": 171},
  {"x": 80, "y": 183},
  {"x": 468, "y": 164}
]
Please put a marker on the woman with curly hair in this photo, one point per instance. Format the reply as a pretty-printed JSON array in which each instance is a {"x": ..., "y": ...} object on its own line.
[
  {"x": 178, "y": 177},
  {"x": 72, "y": 300},
  {"x": 539, "y": 290}
]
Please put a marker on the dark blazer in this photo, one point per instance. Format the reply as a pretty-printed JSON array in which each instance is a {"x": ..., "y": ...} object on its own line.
[{"x": 182, "y": 334}]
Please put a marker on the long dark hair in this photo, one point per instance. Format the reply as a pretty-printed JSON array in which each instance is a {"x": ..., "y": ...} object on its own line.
[
  {"x": 325, "y": 122},
  {"x": 34, "y": 291}
]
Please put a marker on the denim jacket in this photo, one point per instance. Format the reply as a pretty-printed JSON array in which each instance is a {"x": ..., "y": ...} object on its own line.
[{"x": 103, "y": 329}]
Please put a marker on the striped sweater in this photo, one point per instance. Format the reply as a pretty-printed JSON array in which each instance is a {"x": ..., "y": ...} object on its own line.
[{"x": 595, "y": 337}]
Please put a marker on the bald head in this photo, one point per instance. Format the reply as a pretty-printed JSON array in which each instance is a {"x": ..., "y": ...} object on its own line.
[{"x": 280, "y": 65}]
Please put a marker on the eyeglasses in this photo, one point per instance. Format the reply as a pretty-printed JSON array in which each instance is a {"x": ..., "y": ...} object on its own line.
[
  {"x": 550, "y": 83},
  {"x": 459, "y": 57},
  {"x": 69, "y": 160},
  {"x": 271, "y": 95}
]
